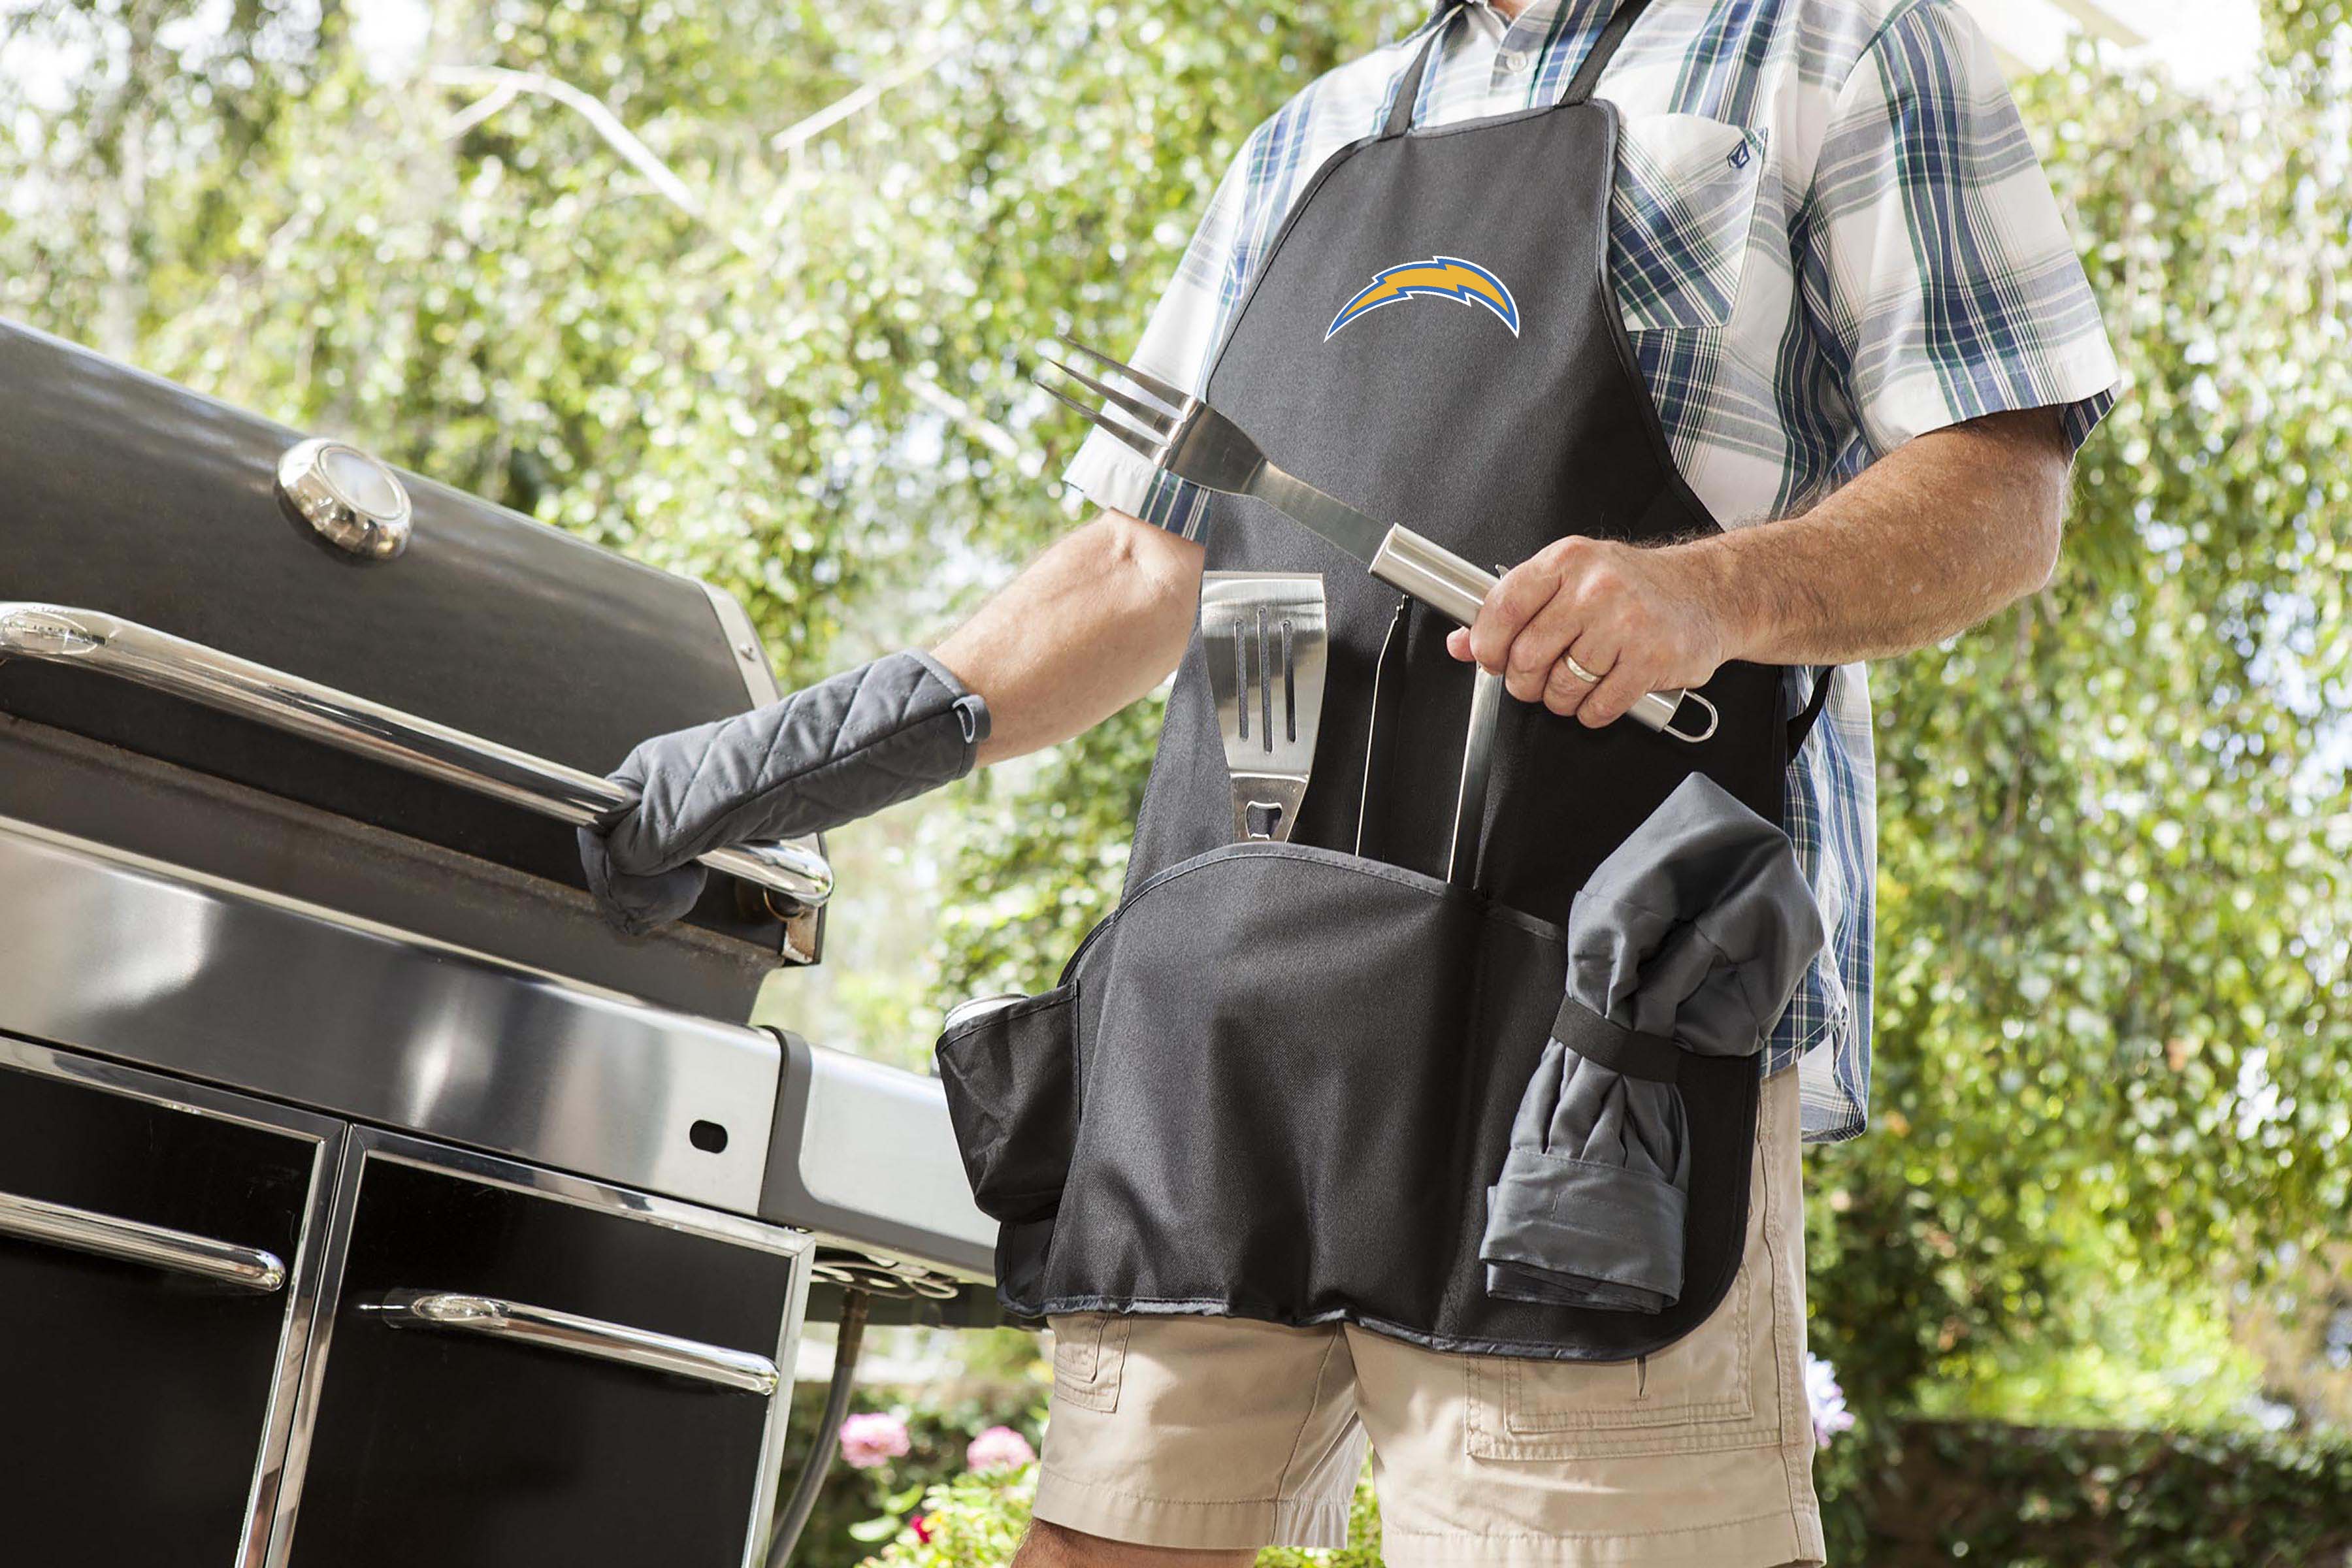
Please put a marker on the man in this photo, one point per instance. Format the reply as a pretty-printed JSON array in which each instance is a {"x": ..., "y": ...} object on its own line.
[{"x": 1865, "y": 343}]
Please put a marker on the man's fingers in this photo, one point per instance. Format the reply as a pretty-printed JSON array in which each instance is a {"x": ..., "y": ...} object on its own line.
[
  {"x": 1535, "y": 653},
  {"x": 1618, "y": 691},
  {"x": 1565, "y": 691},
  {"x": 1524, "y": 590}
]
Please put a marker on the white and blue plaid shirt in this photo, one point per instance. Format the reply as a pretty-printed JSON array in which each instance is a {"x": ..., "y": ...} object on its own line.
[{"x": 1829, "y": 234}]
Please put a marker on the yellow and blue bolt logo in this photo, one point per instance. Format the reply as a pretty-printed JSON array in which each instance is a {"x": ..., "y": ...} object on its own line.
[{"x": 1440, "y": 278}]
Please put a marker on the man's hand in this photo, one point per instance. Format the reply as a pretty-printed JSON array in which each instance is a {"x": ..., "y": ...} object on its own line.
[
  {"x": 1922, "y": 544},
  {"x": 1635, "y": 620},
  {"x": 1095, "y": 623}
]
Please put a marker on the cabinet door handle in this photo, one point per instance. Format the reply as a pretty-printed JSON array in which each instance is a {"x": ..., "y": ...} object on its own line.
[
  {"x": 133, "y": 1241},
  {"x": 544, "y": 1326}
]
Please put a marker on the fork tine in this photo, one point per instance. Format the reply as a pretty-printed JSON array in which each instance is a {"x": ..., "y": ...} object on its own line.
[
  {"x": 1170, "y": 397},
  {"x": 1156, "y": 420},
  {"x": 1102, "y": 421}
]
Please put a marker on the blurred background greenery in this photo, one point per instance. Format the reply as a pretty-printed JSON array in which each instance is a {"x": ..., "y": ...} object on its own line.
[{"x": 746, "y": 287}]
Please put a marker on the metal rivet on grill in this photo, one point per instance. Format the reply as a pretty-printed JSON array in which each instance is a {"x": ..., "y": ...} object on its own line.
[{"x": 349, "y": 499}]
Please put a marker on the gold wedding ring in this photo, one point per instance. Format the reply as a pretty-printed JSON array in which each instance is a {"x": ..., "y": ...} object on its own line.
[{"x": 1578, "y": 670}]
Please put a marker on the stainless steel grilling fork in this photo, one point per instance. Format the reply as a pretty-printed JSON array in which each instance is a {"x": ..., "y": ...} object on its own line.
[{"x": 1187, "y": 437}]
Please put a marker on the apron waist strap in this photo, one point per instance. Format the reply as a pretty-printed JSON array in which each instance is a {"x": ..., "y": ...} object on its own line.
[
  {"x": 1802, "y": 724},
  {"x": 1597, "y": 1041}
]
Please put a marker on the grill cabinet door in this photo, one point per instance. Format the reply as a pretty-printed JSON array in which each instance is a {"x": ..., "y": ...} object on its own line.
[
  {"x": 155, "y": 1295},
  {"x": 568, "y": 1376}
]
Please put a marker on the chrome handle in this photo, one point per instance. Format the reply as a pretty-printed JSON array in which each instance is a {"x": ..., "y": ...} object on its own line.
[
  {"x": 568, "y": 1331},
  {"x": 1416, "y": 565},
  {"x": 1419, "y": 565},
  {"x": 131, "y": 1241},
  {"x": 58, "y": 633}
]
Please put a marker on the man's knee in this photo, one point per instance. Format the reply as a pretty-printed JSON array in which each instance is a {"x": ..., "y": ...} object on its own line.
[{"x": 1056, "y": 1546}]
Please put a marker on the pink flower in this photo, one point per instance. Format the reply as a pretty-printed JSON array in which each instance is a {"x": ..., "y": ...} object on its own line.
[
  {"x": 999, "y": 1449},
  {"x": 1821, "y": 1392},
  {"x": 872, "y": 1439},
  {"x": 922, "y": 1525}
]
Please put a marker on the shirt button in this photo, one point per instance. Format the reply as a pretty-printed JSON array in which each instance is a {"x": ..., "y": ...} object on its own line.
[{"x": 1517, "y": 60}]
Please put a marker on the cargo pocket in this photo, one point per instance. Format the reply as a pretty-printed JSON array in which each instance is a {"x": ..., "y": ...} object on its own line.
[
  {"x": 1699, "y": 1393},
  {"x": 1680, "y": 213},
  {"x": 1010, "y": 1076},
  {"x": 1090, "y": 1358},
  {"x": 1715, "y": 1388}
]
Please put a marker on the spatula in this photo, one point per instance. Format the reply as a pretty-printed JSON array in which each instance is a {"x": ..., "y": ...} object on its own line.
[{"x": 1267, "y": 646}]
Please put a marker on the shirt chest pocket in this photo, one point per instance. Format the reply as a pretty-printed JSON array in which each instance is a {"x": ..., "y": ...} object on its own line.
[{"x": 1681, "y": 213}]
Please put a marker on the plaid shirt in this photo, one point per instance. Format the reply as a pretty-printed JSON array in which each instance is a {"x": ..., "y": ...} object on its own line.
[{"x": 1829, "y": 234}]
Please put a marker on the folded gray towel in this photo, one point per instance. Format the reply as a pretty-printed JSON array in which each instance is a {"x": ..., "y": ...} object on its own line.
[
  {"x": 837, "y": 751},
  {"x": 1696, "y": 931}
]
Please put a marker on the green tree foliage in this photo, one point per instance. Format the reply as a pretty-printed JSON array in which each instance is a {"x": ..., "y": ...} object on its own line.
[
  {"x": 634, "y": 290},
  {"x": 2114, "y": 1016},
  {"x": 2011, "y": 1496}
]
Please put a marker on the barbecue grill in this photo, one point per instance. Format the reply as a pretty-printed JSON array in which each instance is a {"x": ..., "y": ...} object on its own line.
[{"x": 364, "y": 1198}]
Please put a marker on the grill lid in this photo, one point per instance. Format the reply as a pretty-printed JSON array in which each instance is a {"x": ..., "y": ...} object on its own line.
[{"x": 270, "y": 591}]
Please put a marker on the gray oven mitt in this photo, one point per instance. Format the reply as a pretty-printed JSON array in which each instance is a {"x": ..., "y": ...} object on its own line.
[
  {"x": 1696, "y": 931},
  {"x": 840, "y": 750}
]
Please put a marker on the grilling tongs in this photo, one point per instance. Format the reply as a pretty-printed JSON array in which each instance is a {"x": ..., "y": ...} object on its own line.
[{"x": 1187, "y": 437}]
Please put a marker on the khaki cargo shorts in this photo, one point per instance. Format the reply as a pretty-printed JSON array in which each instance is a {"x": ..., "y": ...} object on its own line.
[{"x": 1228, "y": 1433}]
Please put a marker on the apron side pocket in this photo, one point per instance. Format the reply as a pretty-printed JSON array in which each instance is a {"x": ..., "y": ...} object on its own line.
[{"x": 1010, "y": 1081}]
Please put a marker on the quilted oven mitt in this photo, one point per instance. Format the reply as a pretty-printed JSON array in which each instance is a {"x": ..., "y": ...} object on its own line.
[
  {"x": 1696, "y": 931},
  {"x": 843, "y": 749}
]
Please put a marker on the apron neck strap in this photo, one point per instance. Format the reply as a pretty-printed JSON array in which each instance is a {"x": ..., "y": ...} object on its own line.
[
  {"x": 1604, "y": 49},
  {"x": 1407, "y": 87},
  {"x": 1586, "y": 78}
]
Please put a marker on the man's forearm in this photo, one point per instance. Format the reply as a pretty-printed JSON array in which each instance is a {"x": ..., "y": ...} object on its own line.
[
  {"x": 1928, "y": 541},
  {"x": 1093, "y": 624},
  {"x": 1921, "y": 545}
]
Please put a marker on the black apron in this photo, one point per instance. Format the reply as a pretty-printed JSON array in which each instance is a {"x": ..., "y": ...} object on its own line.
[{"x": 1277, "y": 1081}]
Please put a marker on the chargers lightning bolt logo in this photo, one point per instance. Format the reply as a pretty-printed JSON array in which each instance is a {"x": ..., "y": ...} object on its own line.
[{"x": 1439, "y": 276}]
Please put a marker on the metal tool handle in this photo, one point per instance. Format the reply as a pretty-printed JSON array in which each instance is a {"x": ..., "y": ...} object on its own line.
[
  {"x": 1477, "y": 768},
  {"x": 459, "y": 1312},
  {"x": 1416, "y": 565},
  {"x": 60, "y": 633},
  {"x": 134, "y": 1241}
]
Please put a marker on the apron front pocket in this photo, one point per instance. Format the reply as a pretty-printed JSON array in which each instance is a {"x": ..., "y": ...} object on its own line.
[
  {"x": 1011, "y": 1080},
  {"x": 1286, "y": 1089},
  {"x": 1296, "y": 1073}
]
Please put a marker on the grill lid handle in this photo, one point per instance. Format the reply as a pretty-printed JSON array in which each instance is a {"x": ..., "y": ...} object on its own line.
[{"x": 795, "y": 869}]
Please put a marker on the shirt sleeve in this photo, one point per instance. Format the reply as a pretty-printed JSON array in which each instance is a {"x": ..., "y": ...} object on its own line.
[
  {"x": 1175, "y": 347},
  {"x": 1939, "y": 278}
]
